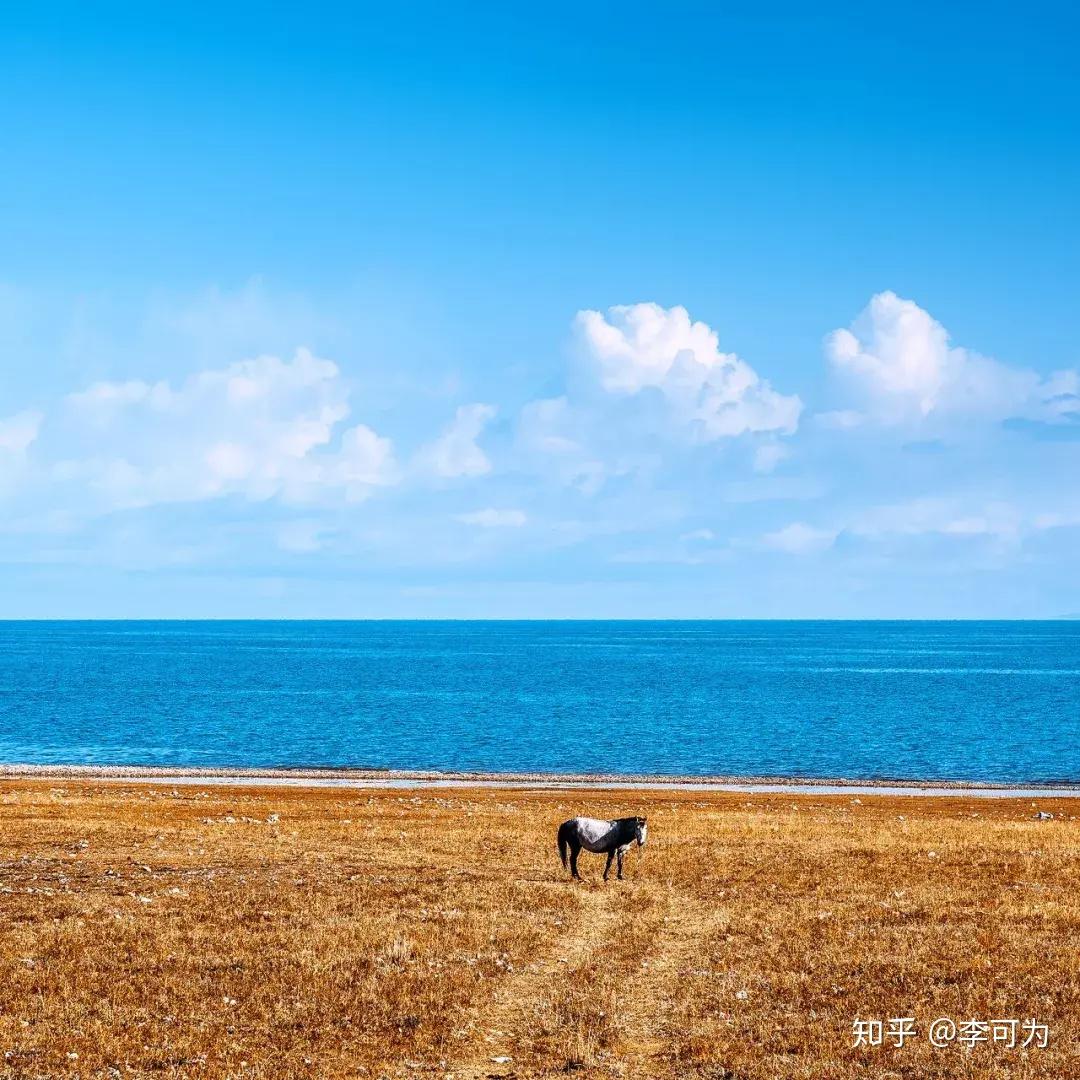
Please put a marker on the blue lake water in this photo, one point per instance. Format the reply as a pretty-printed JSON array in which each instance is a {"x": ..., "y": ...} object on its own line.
[{"x": 933, "y": 700}]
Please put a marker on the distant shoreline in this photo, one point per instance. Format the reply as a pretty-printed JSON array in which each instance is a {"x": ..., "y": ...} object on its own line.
[{"x": 420, "y": 778}]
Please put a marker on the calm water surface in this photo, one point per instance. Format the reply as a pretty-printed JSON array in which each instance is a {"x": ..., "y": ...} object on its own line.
[{"x": 971, "y": 701}]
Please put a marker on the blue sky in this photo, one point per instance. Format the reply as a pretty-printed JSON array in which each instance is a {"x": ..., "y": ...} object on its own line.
[{"x": 618, "y": 311}]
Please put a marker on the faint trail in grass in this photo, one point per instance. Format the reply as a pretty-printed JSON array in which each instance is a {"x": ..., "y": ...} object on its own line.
[
  {"x": 592, "y": 924},
  {"x": 653, "y": 1018}
]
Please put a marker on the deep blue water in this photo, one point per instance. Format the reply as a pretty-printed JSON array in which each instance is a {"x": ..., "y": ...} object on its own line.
[{"x": 965, "y": 700}]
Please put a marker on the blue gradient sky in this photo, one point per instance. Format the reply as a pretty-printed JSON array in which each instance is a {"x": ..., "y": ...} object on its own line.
[{"x": 425, "y": 199}]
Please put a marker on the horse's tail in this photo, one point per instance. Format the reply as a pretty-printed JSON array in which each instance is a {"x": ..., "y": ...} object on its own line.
[{"x": 564, "y": 841}]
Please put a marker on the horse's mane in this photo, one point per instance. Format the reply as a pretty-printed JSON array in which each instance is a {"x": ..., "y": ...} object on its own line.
[{"x": 627, "y": 826}]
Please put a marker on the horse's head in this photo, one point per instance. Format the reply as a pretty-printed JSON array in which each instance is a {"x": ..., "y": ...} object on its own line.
[{"x": 641, "y": 831}]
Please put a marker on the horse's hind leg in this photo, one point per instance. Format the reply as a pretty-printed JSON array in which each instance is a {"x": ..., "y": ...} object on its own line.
[
  {"x": 573, "y": 861},
  {"x": 607, "y": 869},
  {"x": 620, "y": 863}
]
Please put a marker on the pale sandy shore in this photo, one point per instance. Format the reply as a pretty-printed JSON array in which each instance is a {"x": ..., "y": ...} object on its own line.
[{"x": 371, "y": 778}]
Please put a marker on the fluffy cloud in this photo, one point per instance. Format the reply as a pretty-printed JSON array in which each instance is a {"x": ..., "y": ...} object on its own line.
[
  {"x": 364, "y": 461},
  {"x": 900, "y": 361},
  {"x": 658, "y": 439},
  {"x": 638, "y": 347},
  {"x": 456, "y": 452},
  {"x": 494, "y": 519},
  {"x": 652, "y": 384},
  {"x": 257, "y": 428}
]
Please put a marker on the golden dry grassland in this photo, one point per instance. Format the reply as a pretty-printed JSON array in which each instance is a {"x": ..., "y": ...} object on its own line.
[{"x": 288, "y": 932}]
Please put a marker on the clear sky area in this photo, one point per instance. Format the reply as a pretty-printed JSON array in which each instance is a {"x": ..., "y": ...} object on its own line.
[{"x": 592, "y": 310}]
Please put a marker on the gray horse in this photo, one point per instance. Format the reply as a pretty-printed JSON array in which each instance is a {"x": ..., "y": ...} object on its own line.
[{"x": 613, "y": 837}]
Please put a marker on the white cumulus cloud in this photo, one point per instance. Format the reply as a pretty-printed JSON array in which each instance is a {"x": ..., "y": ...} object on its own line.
[
  {"x": 651, "y": 386},
  {"x": 364, "y": 462},
  {"x": 257, "y": 428},
  {"x": 904, "y": 367},
  {"x": 640, "y": 346}
]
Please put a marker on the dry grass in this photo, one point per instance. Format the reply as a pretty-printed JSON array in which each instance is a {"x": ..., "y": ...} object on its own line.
[{"x": 190, "y": 933}]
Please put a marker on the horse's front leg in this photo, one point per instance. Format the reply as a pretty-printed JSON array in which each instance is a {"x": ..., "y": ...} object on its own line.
[
  {"x": 621, "y": 853},
  {"x": 607, "y": 868}
]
